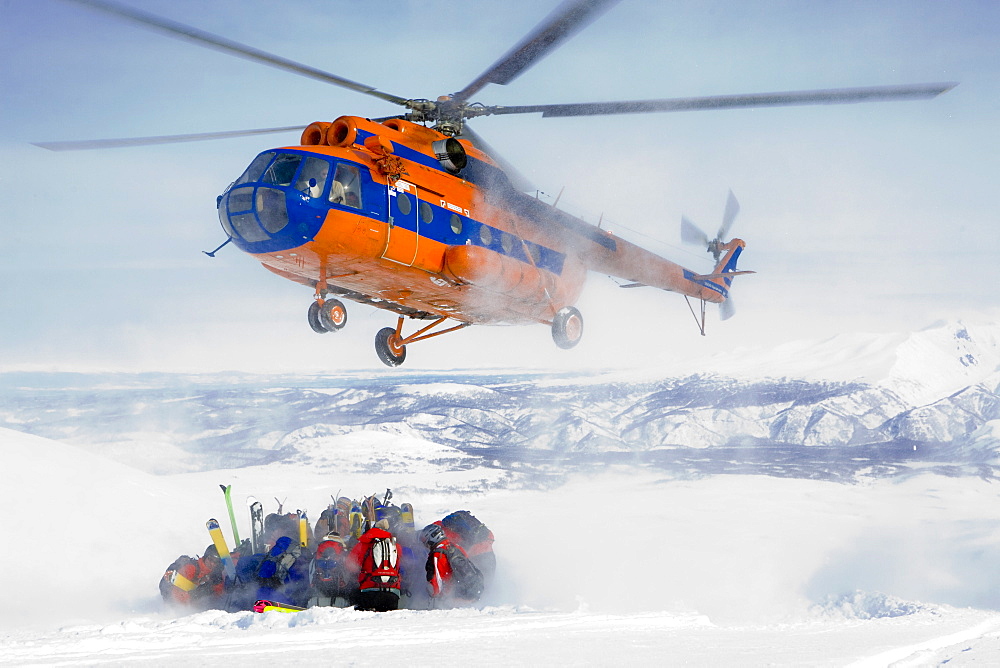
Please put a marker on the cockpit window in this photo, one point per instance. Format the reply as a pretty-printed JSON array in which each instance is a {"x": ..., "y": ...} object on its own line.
[
  {"x": 346, "y": 187},
  {"x": 282, "y": 170},
  {"x": 246, "y": 226},
  {"x": 256, "y": 168},
  {"x": 312, "y": 178}
]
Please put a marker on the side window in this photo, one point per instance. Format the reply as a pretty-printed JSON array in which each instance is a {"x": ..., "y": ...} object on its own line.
[
  {"x": 485, "y": 235},
  {"x": 346, "y": 186},
  {"x": 283, "y": 169},
  {"x": 312, "y": 178},
  {"x": 426, "y": 213}
]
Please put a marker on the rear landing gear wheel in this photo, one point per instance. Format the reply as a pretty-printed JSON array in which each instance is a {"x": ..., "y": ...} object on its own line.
[
  {"x": 333, "y": 315},
  {"x": 387, "y": 345},
  {"x": 314, "y": 321},
  {"x": 567, "y": 327}
]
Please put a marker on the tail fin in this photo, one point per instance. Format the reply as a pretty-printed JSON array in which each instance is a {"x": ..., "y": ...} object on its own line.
[{"x": 721, "y": 278}]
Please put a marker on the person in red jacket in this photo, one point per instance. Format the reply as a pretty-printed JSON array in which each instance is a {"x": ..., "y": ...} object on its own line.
[
  {"x": 374, "y": 559},
  {"x": 463, "y": 529},
  {"x": 451, "y": 577}
]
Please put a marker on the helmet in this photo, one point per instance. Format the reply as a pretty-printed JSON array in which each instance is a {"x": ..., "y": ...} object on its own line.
[
  {"x": 431, "y": 535},
  {"x": 334, "y": 536}
]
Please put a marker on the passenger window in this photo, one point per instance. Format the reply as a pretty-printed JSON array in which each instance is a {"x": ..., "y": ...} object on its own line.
[
  {"x": 535, "y": 252},
  {"x": 346, "y": 187},
  {"x": 456, "y": 224},
  {"x": 312, "y": 178},
  {"x": 403, "y": 203},
  {"x": 485, "y": 235},
  {"x": 283, "y": 169},
  {"x": 507, "y": 241},
  {"x": 426, "y": 213}
]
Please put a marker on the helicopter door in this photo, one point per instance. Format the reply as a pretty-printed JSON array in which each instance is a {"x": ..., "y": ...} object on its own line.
[{"x": 404, "y": 225}]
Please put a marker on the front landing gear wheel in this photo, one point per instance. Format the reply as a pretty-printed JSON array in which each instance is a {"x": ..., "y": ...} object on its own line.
[
  {"x": 388, "y": 347},
  {"x": 333, "y": 315},
  {"x": 314, "y": 322},
  {"x": 567, "y": 327}
]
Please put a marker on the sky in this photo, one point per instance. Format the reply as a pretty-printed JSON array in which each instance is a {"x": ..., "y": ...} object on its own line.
[{"x": 875, "y": 217}]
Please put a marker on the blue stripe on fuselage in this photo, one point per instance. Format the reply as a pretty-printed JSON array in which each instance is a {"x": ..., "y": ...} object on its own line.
[{"x": 705, "y": 283}]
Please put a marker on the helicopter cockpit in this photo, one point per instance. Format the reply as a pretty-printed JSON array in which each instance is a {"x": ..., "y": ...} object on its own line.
[{"x": 283, "y": 187}]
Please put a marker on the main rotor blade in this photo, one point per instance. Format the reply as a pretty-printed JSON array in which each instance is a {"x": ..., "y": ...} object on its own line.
[
  {"x": 565, "y": 21},
  {"x": 211, "y": 41},
  {"x": 91, "y": 144},
  {"x": 732, "y": 208},
  {"x": 790, "y": 98},
  {"x": 517, "y": 180}
]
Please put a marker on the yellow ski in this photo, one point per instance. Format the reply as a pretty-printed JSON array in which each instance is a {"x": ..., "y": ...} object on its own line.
[
  {"x": 181, "y": 582},
  {"x": 215, "y": 531},
  {"x": 303, "y": 529}
]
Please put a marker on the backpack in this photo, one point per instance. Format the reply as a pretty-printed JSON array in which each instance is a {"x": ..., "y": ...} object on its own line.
[
  {"x": 326, "y": 523},
  {"x": 467, "y": 580},
  {"x": 380, "y": 569},
  {"x": 177, "y": 582},
  {"x": 467, "y": 527},
  {"x": 328, "y": 574},
  {"x": 274, "y": 569},
  {"x": 276, "y": 525}
]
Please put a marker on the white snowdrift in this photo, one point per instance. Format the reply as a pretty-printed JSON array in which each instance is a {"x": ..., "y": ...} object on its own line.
[{"x": 618, "y": 567}]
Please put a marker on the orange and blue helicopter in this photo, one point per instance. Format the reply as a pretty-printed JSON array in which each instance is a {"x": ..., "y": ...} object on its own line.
[{"x": 417, "y": 215}]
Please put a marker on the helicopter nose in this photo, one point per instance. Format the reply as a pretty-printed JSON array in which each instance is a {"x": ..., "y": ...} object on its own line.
[{"x": 261, "y": 218}]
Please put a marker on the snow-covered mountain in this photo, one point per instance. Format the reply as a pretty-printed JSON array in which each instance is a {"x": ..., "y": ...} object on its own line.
[{"x": 929, "y": 395}]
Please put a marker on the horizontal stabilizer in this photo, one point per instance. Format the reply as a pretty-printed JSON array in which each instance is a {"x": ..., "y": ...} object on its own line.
[{"x": 709, "y": 277}]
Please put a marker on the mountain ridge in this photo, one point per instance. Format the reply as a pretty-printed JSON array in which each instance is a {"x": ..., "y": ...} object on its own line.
[{"x": 937, "y": 388}]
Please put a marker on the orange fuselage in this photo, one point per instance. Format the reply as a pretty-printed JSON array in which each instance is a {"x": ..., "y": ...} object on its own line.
[{"x": 387, "y": 214}]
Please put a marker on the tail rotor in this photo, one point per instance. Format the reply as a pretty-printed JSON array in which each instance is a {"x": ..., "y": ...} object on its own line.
[{"x": 695, "y": 236}]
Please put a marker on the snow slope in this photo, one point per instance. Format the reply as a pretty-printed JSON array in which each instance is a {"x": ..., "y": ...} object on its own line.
[
  {"x": 825, "y": 503},
  {"x": 624, "y": 565}
]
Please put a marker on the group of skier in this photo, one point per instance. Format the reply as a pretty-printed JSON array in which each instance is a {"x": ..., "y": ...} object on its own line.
[{"x": 365, "y": 554}]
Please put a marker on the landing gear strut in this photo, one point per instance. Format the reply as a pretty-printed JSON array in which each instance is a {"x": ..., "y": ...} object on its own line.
[
  {"x": 390, "y": 344},
  {"x": 330, "y": 316}
]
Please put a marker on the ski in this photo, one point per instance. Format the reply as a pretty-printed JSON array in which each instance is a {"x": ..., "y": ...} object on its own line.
[
  {"x": 272, "y": 606},
  {"x": 182, "y": 582},
  {"x": 215, "y": 531},
  {"x": 227, "y": 490},
  {"x": 357, "y": 520},
  {"x": 303, "y": 529},
  {"x": 256, "y": 524}
]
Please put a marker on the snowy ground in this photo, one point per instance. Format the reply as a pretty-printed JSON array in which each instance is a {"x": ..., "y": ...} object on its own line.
[{"x": 617, "y": 567}]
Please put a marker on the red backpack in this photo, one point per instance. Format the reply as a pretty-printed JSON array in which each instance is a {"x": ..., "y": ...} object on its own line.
[{"x": 379, "y": 561}]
